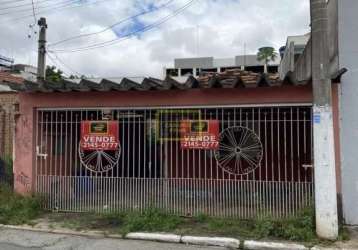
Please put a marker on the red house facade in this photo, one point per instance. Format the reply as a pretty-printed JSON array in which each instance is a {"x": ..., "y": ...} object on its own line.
[{"x": 233, "y": 144}]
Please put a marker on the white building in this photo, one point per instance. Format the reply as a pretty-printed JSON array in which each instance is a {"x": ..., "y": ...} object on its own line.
[{"x": 193, "y": 66}]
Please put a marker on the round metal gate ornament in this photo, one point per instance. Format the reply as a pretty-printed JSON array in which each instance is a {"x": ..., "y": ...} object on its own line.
[
  {"x": 240, "y": 150},
  {"x": 99, "y": 161},
  {"x": 99, "y": 148}
]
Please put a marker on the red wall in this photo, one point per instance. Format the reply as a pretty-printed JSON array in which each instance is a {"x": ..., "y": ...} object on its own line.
[{"x": 25, "y": 151}]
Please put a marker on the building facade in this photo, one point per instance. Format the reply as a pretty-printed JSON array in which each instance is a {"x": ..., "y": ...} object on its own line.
[
  {"x": 194, "y": 66},
  {"x": 235, "y": 144}
]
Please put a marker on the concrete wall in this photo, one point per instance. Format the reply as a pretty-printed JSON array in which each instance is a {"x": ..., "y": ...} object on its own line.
[
  {"x": 348, "y": 57},
  {"x": 188, "y": 63},
  {"x": 251, "y": 60}
]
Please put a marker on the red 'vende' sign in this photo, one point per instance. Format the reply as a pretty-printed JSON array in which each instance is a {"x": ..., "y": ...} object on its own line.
[
  {"x": 199, "y": 134},
  {"x": 99, "y": 135}
]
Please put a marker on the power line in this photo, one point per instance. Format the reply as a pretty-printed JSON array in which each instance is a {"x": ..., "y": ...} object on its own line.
[
  {"x": 41, "y": 7},
  {"x": 127, "y": 36},
  {"x": 23, "y": 5},
  {"x": 12, "y": 1},
  {"x": 56, "y": 9},
  {"x": 113, "y": 25},
  {"x": 56, "y": 64},
  {"x": 64, "y": 64},
  {"x": 33, "y": 11}
]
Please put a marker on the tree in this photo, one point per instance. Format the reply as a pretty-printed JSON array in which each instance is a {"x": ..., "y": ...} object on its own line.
[
  {"x": 266, "y": 54},
  {"x": 53, "y": 74}
]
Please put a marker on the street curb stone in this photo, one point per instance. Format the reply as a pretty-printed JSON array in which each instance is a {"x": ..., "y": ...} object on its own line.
[
  {"x": 261, "y": 245},
  {"x": 173, "y": 238},
  {"x": 211, "y": 241},
  {"x": 329, "y": 248}
]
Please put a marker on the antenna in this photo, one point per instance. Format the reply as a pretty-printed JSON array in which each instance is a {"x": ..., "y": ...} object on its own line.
[
  {"x": 197, "y": 39},
  {"x": 244, "y": 56}
]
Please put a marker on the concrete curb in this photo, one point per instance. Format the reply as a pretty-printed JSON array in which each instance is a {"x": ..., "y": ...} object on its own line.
[
  {"x": 258, "y": 245},
  {"x": 170, "y": 238},
  {"x": 173, "y": 238},
  {"x": 211, "y": 241}
]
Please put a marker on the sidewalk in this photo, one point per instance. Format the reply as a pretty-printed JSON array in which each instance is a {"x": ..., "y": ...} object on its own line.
[
  {"x": 352, "y": 243},
  {"x": 228, "y": 243}
]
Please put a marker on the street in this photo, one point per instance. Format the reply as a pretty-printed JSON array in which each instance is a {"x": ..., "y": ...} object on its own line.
[{"x": 26, "y": 240}]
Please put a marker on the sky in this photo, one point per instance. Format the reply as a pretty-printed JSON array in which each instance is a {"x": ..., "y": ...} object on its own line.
[{"x": 218, "y": 28}]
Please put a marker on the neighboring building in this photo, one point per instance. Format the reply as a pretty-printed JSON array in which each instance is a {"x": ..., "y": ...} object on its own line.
[
  {"x": 346, "y": 42},
  {"x": 5, "y": 63},
  {"x": 294, "y": 48},
  {"x": 8, "y": 106},
  {"x": 25, "y": 71},
  {"x": 195, "y": 66}
]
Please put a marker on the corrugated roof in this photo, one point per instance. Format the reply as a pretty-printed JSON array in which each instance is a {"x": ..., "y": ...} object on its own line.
[{"x": 229, "y": 79}]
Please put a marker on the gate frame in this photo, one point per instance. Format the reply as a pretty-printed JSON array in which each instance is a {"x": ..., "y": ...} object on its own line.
[{"x": 25, "y": 138}]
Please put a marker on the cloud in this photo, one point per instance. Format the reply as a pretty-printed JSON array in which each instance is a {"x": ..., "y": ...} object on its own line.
[{"x": 217, "y": 28}]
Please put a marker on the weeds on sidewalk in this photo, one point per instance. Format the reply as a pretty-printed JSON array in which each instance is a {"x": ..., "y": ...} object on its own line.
[
  {"x": 300, "y": 228},
  {"x": 16, "y": 209},
  {"x": 151, "y": 220}
]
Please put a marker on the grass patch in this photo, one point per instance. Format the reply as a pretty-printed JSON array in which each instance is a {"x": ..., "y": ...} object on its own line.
[
  {"x": 300, "y": 228},
  {"x": 152, "y": 220},
  {"x": 16, "y": 209}
]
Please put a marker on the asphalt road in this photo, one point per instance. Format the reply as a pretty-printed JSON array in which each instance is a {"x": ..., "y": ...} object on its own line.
[{"x": 26, "y": 240}]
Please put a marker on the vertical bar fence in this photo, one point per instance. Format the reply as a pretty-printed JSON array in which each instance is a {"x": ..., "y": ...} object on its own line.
[{"x": 153, "y": 170}]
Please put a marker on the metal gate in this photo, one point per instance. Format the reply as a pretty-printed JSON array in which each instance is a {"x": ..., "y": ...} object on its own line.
[{"x": 154, "y": 170}]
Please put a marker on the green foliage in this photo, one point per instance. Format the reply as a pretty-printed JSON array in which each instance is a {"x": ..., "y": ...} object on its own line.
[
  {"x": 53, "y": 74},
  {"x": 299, "y": 228},
  {"x": 266, "y": 54},
  {"x": 152, "y": 220},
  {"x": 16, "y": 209},
  {"x": 343, "y": 234}
]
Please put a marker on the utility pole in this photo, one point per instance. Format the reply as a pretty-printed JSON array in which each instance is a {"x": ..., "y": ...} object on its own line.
[
  {"x": 324, "y": 157},
  {"x": 41, "y": 61}
]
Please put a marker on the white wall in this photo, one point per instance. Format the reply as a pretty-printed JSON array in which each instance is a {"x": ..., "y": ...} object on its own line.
[{"x": 348, "y": 58}]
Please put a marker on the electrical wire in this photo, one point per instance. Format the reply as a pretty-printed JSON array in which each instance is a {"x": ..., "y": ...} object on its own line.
[
  {"x": 54, "y": 10},
  {"x": 11, "y": 1},
  {"x": 129, "y": 35},
  {"x": 64, "y": 3},
  {"x": 113, "y": 25},
  {"x": 55, "y": 64},
  {"x": 33, "y": 11},
  {"x": 23, "y": 5},
  {"x": 71, "y": 69}
]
